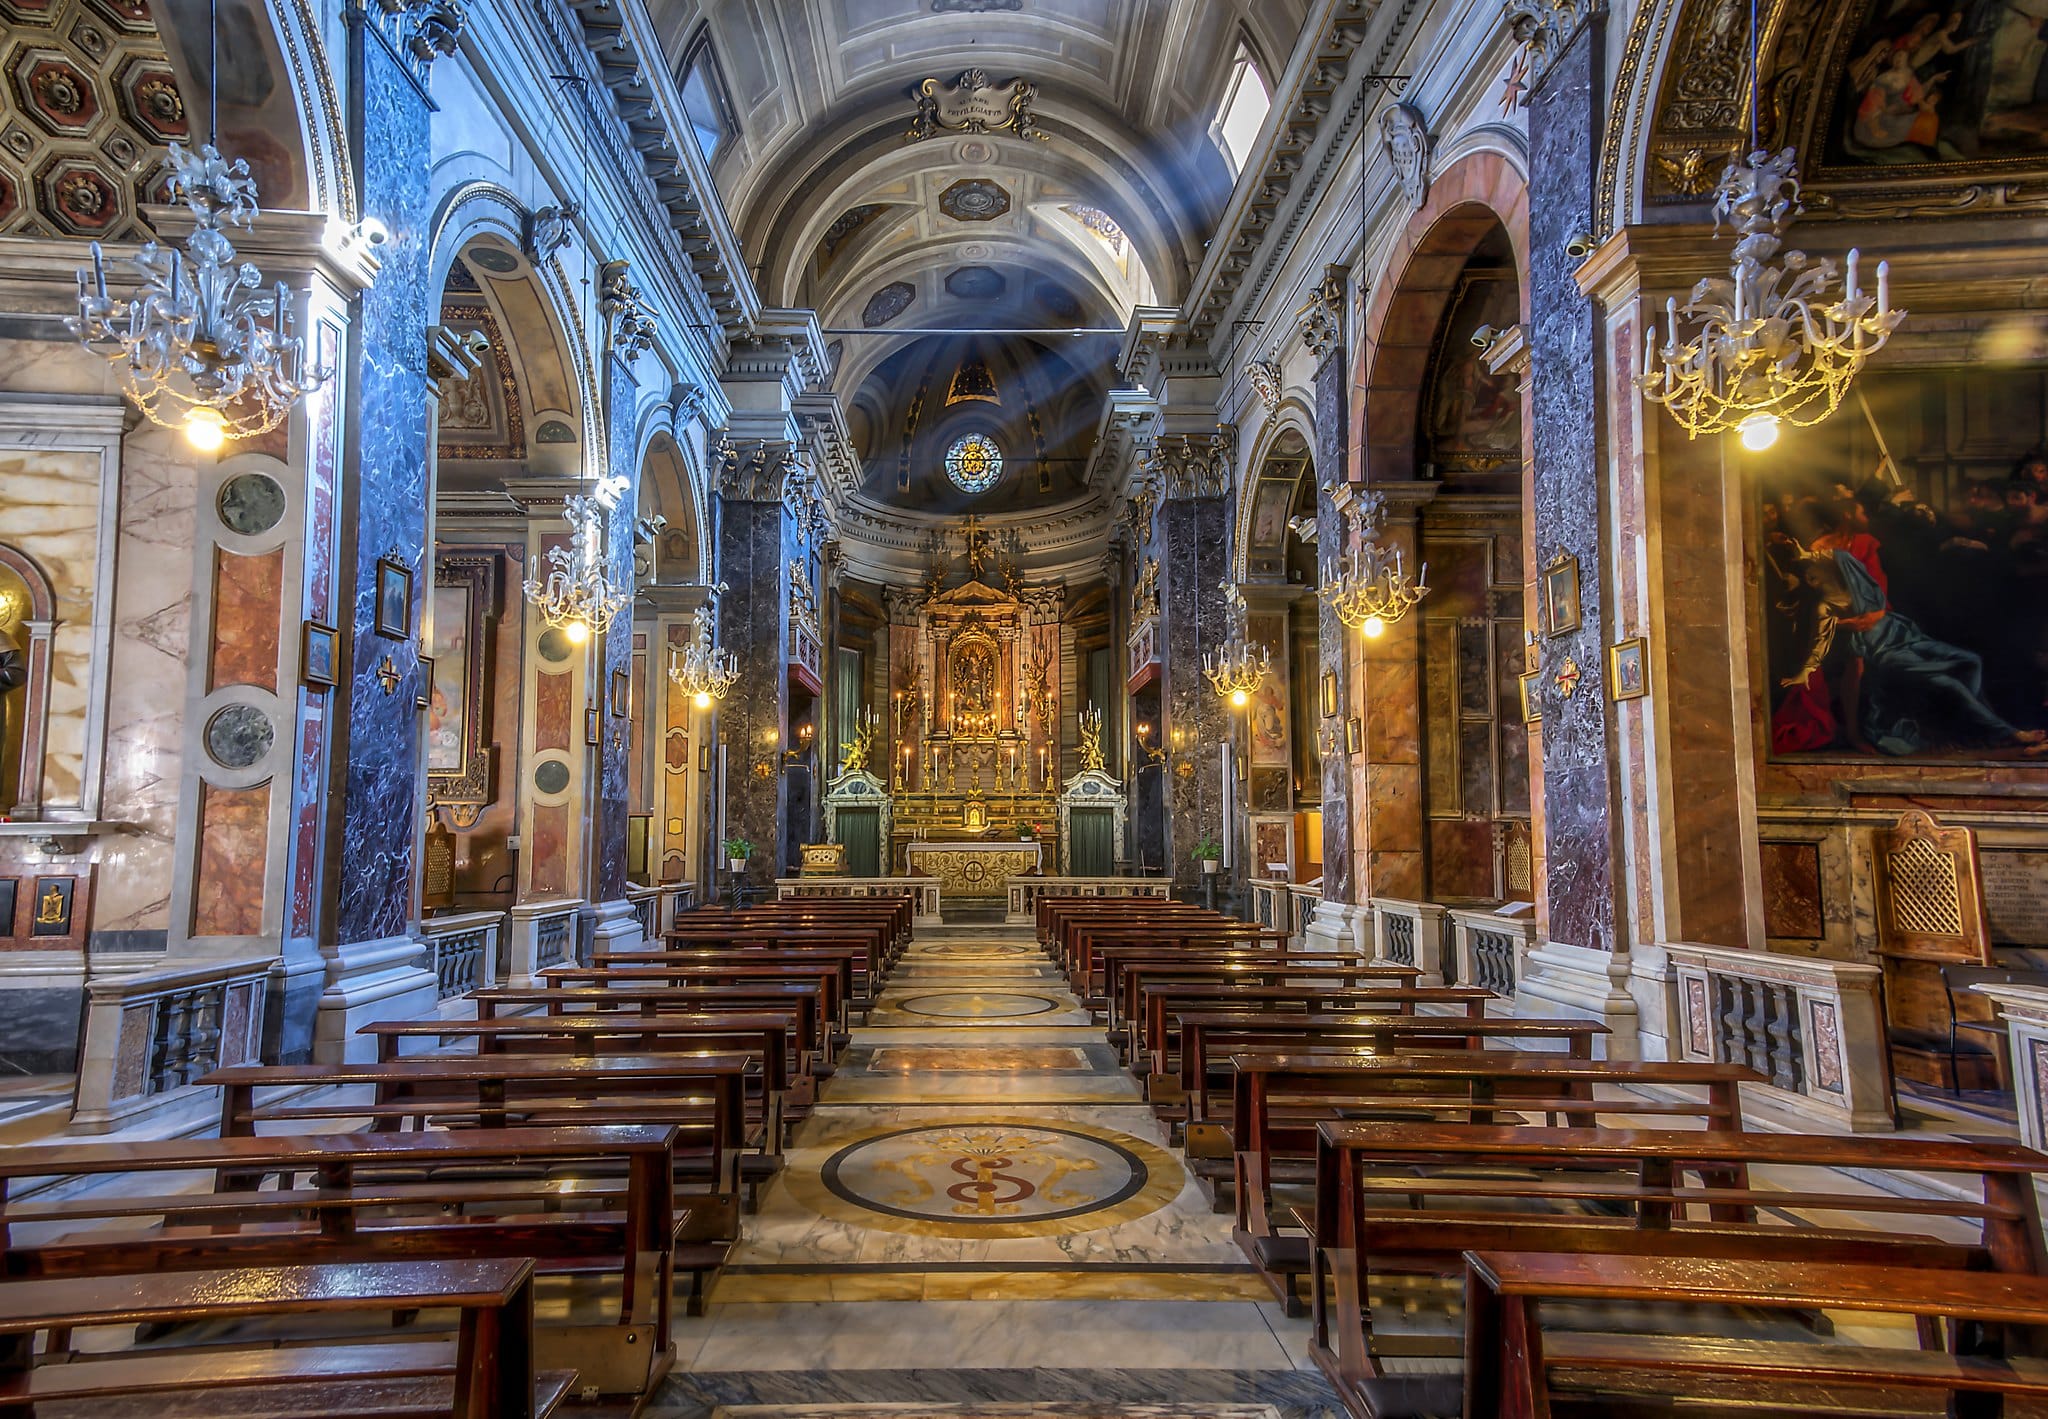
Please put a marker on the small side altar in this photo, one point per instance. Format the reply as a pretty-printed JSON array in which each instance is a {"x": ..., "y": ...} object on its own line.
[{"x": 975, "y": 869}]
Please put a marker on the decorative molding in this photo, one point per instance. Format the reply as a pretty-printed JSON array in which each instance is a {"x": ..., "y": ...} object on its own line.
[
  {"x": 1544, "y": 28},
  {"x": 974, "y": 7},
  {"x": 1194, "y": 465},
  {"x": 754, "y": 470},
  {"x": 1322, "y": 319},
  {"x": 633, "y": 323},
  {"x": 972, "y": 104},
  {"x": 1406, "y": 139}
]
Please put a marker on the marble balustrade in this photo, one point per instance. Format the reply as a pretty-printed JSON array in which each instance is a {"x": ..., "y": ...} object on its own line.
[
  {"x": 150, "y": 1034},
  {"x": 1489, "y": 949},
  {"x": 2024, "y": 1008},
  {"x": 924, "y": 891},
  {"x": 1813, "y": 1027},
  {"x": 1409, "y": 933},
  {"x": 1024, "y": 892},
  {"x": 465, "y": 951}
]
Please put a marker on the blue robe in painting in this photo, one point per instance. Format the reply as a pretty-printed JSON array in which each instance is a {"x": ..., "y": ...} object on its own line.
[{"x": 1919, "y": 695}]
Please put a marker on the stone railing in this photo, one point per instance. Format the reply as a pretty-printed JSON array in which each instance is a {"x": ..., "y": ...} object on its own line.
[
  {"x": 149, "y": 1035},
  {"x": 1488, "y": 948},
  {"x": 1025, "y": 891},
  {"x": 1409, "y": 934},
  {"x": 1272, "y": 907},
  {"x": 1813, "y": 1028},
  {"x": 464, "y": 950},
  {"x": 1302, "y": 902},
  {"x": 539, "y": 934},
  {"x": 923, "y": 890},
  {"x": 655, "y": 907},
  {"x": 2025, "y": 1011}
]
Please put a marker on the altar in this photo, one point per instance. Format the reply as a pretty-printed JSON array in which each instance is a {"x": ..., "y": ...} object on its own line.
[{"x": 975, "y": 870}]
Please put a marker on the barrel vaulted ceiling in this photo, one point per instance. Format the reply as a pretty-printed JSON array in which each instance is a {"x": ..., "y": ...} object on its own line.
[{"x": 889, "y": 238}]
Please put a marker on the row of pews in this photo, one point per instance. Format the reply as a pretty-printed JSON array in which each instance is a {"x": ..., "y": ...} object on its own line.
[
  {"x": 486, "y": 1220},
  {"x": 1483, "y": 1218}
]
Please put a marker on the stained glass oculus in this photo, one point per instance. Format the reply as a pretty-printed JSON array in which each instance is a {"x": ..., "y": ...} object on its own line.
[{"x": 974, "y": 463}]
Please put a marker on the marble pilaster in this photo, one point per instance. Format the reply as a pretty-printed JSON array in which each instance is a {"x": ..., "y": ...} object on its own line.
[
  {"x": 614, "y": 749},
  {"x": 1331, "y": 472},
  {"x": 377, "y": 969},
  {"x": 755, "y": 539},
  {"x": 1194, "y": 557},
  {"x": 1570, "y": 516}
]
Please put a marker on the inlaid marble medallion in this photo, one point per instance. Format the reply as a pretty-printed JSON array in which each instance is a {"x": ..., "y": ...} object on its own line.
[
  {"x": 977, "y": 1005},
  {"x": 991, "y": 1177}
]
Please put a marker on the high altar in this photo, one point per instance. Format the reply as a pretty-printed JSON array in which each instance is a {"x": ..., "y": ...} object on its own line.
[{"x": 975, "y": 694}]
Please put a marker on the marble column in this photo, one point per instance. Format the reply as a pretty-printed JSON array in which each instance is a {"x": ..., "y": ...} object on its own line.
[
  {"x": 1194, "y": 559},
  {"x": 1334, "y": 919},
  {"x": 1578, "y": 969},
  {"x": 376, "y": 969},
  {"x": 616, "y": 926},
  {"x": 756, "y": 541}
]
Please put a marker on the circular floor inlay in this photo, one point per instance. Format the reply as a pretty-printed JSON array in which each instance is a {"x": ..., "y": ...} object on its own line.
[
  {"x": 991, "y": 1178},
  {"x": 977, "y": 1005}
]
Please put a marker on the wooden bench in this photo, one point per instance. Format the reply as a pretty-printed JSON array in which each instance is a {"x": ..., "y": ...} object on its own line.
[
  {"x": 807, "y": 998},
  {"x": 1209, "y": 1038},
  {"x": 486, "y": 1373},
  {"x": 702, "y": 1094},
  {"x": 1163, "y": 1004},
  {"x": 859, "y": 982},
  {"x": 579, "y": 1201},
  {"x": 1408, "y": 1199},
  {"x": 1516, "y": 1368},
  {"x": 1278, "y": 1099},
  {"x": 1125, "y": 980}
]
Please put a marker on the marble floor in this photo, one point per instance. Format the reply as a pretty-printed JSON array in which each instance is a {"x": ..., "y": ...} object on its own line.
[{"x": 982, "y": 1217}]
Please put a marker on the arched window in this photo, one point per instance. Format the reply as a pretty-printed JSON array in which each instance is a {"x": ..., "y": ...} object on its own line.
[
  {"x": 974, "y": 463},
  {"x": 1242, "y": 114}
]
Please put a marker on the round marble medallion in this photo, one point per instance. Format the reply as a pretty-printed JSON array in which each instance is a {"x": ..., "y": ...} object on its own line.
[
  {"x": 551, "y": 776},
  {"x": 1001, "y": 1177},
  {"x": 238, "y": 736},
  {"x": 554, "y": 645},
  {"x": 977, "y": 1005},
  {"x": 250, "y": 503}
]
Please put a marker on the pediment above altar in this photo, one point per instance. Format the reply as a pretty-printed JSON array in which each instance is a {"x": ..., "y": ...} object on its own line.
[{"x": 973, "y": 594}]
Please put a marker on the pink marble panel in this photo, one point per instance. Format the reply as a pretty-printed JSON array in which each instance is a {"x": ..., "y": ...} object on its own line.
[
  {"x": 548, "y": 850},
  {"x": 227, "y": 898},
  {"x": 553, "y": 711},
  {"x": 246, "y": 592},
  {"x": 131, "y": 1052}
]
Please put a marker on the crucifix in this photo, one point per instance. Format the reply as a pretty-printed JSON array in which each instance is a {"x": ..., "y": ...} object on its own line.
[{"x": 978, "y": 550}]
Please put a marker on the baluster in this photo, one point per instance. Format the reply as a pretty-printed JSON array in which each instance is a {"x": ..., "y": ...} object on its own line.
[
  {"x": 1728, "y": 1009},
  {"x": 203, "y": 1047},
  {"x": 1754, "y": 1026},
  {"x": 1784, "y": 1050}
]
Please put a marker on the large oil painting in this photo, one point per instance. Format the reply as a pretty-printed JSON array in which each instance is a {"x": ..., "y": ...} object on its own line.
[
  {"x": 1473, "y": 419},
  {"x": 1943, "y": 81},
  {"x": 1904, "y": 562},
  {"x": 448, "y": 701}
]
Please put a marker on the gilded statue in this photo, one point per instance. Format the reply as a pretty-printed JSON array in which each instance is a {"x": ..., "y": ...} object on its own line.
[
  {"x": 50, "y": 909},
  {"x": 854, "y": 756},
  {"x": 1089, "y": 745}
]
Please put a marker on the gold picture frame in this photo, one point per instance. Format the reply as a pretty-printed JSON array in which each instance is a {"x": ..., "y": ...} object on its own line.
[
  {"x": 1561, "y": 610},
  {"x": 1354, "y": 735},
  {"x": 1532, "y": 707},
  {"x": 1628, "y": 669}
]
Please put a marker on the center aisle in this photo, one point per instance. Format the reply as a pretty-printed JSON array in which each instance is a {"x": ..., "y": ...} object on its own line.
[{"x": 983, "y": 1210}]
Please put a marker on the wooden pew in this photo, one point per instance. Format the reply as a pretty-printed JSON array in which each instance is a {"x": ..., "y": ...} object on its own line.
[
  {"x": 579, "y": 1201},
  {"x": 1209, "y": 1038},
  {"x": 813, "y": 1034},
  {"x": 1280, "y": 1098},
  {"x": 487, "y": 1373},
  {"x": 1163, "y": 1004},
  {"x": 1366, "y": 1222},
  {"x": 1126, "y": 980},
  {"x": 848, "y": 994},
  {"x": 1511, "y": 1357}
]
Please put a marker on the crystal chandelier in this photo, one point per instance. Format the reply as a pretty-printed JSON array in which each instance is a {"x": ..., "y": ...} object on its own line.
[
  {"x": 205, "y": 349},
  {"x": 1236, "y": 667},
  {"x": 578, "y": 596},
  {"x": 1771, "y": 348},
  {"x": 704, "y": 674},
  {"x": 1372, "y": 590}
]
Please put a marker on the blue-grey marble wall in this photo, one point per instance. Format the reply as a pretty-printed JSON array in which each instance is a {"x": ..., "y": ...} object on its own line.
[
  {"x": 615, "y": 737},
  {"x": 1194, "y": 558},
  {"x": 1333, "y": 412},
  {"x": 40, "y": 1029},
  {"x": 753, "y": 623},
  {"x": 1564, "y": 381},
  {"x": 385, "y": 507}
]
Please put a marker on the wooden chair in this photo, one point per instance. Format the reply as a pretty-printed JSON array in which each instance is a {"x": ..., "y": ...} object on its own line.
[{"x": 1930, "y": 913}]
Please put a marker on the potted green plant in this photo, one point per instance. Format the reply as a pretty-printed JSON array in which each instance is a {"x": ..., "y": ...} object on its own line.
[
  {"x": 1026, "y": 832},
  {"x": 737, "y": 851},
  {"x": 1209, "y": 853}
]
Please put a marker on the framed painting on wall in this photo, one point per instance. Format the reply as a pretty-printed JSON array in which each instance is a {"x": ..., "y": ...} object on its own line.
[
  {"x": 461, "y": 759},
  {"x": 1532, "y": 707},
  {"x": 1628, "y": 675},
  {"x": 319, "y": 649},
  {"x": 393, "y": 610},
  {"x": 1561, "y": 594}
]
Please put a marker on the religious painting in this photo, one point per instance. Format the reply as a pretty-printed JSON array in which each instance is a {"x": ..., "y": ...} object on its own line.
[
  {"x": 1354, "y": 735},
  {"x": 1532, "y": 703},
  {"x": 452, "y": 679},
  {"x": 1268, "y": 710},
  {"x": 317, "y": 655},
  {"x": 1941, "y": 81},
  {"x": 1329, "y": 694},
  {"x": 1627, "y": 673},
  {"x": 423, "y": 697},
  {"x": 1272, "y": 501},
  {"x": 1561, "y": 594},
  {"x": 394, "y": 599},
  {"x": 1903, "y": 551},
  {"x": 622, "y": 694},
  {"x": 1473, "y": 416}
]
